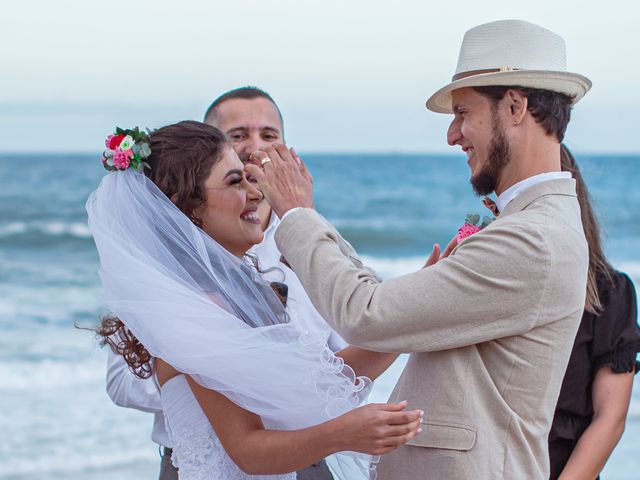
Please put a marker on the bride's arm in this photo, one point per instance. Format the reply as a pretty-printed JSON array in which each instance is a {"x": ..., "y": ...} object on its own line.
[
  {"x": 374, "y": 429},
  {"x": 367, "y": 362}
]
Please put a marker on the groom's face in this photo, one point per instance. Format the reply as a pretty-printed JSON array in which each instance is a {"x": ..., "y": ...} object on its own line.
[{"x": 478, "y": 130}]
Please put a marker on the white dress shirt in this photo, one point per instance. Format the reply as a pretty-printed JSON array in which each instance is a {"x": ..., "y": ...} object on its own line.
[
  {"x": 127, "y": 390},
  {"x": 517, "y": 188}
]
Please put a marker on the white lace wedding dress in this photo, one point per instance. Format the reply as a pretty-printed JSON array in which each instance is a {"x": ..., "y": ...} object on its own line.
[{"x": 197, "y": 451}]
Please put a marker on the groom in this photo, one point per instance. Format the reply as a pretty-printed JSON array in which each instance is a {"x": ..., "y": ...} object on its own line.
[{"x": 490, "y": 327}]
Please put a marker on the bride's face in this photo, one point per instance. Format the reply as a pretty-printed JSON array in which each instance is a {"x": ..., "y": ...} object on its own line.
[{"x": 229, "y": 214}]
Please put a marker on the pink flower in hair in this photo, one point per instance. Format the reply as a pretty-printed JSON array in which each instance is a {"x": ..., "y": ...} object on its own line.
[{"x": 122, "y": 158}]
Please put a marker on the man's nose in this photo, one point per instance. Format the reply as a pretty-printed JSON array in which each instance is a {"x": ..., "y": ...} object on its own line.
[
  {"x": 252, "y": 144},
  {"x": 454, "y": 134}
]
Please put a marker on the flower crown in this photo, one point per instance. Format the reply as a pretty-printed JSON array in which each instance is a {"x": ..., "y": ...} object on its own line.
[{"x": 127, "y": 149}]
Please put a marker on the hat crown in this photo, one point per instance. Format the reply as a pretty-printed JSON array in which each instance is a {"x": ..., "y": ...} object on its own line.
[{"x": 511, "y": 44}]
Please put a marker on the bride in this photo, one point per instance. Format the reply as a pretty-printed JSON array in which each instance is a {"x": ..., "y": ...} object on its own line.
[{"x": 249, "y": 389}]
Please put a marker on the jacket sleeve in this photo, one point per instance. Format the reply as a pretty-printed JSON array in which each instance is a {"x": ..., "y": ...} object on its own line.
[
  {"x": 127, "y": 390},
  {"x": 477, "y": 294}
]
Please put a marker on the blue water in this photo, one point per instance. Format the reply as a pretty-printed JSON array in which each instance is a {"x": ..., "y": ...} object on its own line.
[{"x": 55, "y": 419}]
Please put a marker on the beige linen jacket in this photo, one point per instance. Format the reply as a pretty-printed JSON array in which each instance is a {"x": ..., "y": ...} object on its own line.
[{"x": 489, "y": 329}]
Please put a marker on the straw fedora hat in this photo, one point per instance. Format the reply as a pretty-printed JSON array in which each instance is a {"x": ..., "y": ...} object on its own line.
[{"x": 511, "y": 53}]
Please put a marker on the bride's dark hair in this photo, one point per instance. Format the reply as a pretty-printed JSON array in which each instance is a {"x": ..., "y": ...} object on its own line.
[{"x": 182, "y": 156}]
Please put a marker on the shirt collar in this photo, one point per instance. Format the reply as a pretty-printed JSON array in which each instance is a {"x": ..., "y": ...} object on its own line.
[{"x": 516, "y": 189}]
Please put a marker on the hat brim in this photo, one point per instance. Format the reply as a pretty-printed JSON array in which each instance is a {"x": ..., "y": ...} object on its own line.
[{"x": 571, "y": 84}]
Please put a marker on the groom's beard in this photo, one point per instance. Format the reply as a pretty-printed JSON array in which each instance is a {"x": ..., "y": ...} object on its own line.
[{"x": 486, "y": 180}]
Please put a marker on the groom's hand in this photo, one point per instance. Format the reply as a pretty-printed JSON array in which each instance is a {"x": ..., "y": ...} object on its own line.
[{"x": 282, "y": 177}]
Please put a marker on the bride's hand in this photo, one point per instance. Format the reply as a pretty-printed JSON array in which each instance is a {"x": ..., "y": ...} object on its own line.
[
  {"x": 377, "y": 429},
  {"x": 435, "y": 256}
]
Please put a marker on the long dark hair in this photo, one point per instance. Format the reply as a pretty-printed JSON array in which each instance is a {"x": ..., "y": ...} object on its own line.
[
  {"x": 599, "y": 267},
  {"x": 182, "y": 156}
]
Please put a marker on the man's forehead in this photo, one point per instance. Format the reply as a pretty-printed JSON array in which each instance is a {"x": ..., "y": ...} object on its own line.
[
  {"x": 248, "y": 113},
  {"x": 462, "y": 97}
]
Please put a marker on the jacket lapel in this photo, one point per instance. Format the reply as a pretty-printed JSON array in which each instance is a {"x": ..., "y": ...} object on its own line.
[{"x": 560, "y": 186}]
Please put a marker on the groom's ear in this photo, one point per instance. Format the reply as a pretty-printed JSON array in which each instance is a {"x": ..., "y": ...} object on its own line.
[
  {"x": 174, "y": 198},
  {"x": 518, "y": 104}
]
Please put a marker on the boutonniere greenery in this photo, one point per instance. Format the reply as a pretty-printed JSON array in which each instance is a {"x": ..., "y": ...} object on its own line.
[{"x": 472, "y": 224}]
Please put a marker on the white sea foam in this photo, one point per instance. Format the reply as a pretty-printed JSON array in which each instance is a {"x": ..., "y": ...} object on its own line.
[
  {"x": 31, "y": 376},
  {"x": 388, "y": 267},
  {"x": 394, "y": 267},
  {"x": 54, "y": 303},
  {"x": 71, "y": 465},
  {"x": 56, "y": 419},
  {"x": 55, "y": 229}
]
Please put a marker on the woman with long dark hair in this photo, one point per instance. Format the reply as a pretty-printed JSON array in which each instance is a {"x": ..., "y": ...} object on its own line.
[{"x": 594, "y": 399}]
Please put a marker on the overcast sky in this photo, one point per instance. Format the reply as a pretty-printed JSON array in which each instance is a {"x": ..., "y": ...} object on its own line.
[{"x": 349, "y": 75}]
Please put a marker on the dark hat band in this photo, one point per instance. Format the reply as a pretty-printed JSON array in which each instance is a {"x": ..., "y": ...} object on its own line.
[{"x": 471, "y": 73}]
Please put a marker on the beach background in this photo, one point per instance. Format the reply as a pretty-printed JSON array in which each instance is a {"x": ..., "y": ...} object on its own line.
[{"x": 56, "y": 421}]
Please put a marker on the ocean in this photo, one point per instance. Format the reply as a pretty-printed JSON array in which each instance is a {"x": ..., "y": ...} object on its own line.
[{"x": 56, "y": 421}]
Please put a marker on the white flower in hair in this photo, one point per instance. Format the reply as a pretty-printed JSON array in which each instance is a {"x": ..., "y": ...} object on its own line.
[{"x": 127, "y": 143}]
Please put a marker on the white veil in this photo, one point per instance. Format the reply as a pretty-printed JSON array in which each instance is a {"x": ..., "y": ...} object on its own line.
[{"x": 209, "y": 314}]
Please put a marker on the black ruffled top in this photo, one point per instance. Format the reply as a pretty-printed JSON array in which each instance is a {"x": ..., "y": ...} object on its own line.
[{"x": 611, "y": 339}]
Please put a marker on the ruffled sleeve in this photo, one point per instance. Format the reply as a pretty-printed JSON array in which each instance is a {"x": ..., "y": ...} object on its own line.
[{"x": 616, "y": 339}]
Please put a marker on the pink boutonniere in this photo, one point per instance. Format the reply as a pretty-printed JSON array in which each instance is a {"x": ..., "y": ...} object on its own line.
[{"x": 472, "y": 225}]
